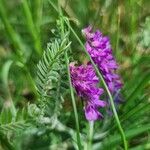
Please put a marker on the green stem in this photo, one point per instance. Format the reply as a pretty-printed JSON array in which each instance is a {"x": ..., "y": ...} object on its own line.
[
  {"x": 5, "y": 79},
  {"x": 118, "y": 31},
  {"x": 103, "y": 81},
  {"x": 14, "y": 38},
  {"x": 37, "y": 13},
  {"x": 132, "y": 24},
  {"x": 31, "y": 27},
  {"x": 91, "y": 129},
  {"x": 70, "y": 83},
  {"x": 106, "y": 87},
  {"x": 74, "y": 104},
  {"x": 31, "y": 81}
]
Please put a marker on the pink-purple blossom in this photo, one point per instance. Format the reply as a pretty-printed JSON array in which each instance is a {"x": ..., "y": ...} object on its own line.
[
  {"x": 99, "y": 48},
  {"x": 85, "y": 82}
]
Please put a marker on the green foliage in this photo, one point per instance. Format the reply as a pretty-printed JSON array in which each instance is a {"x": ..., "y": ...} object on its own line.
[
  {"x": 10, "y": 123},
  {"x": 145, "y": 39},
  {"x": 51, "y": 72},
  {"x": 43, "y": 119},
  {"x": 51, "y": 66}
]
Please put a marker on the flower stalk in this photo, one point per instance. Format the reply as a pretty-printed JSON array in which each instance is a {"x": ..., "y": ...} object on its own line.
[
  {"x": 101, "y": 77},
  {"x": 105, "y": 85},
  {"x": 70, "y": 85},
  {"x": 91, "y": 130}
]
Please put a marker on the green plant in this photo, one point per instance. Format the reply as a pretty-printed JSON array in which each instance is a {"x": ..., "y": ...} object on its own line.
[{"x": 35, "y": 93}]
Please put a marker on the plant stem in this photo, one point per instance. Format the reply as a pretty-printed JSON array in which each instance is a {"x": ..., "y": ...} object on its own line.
[
  {"x": 91, "y": 128},
  {"x": 70, "y": 83},
  {"x": 103, "y": 81},
  {"x": 118, "y": 30},
  {"x": 31, "y": 81},
  {"x": 106, "y": 87},
  {"x": 37, "y": 13},
  {"x": 74, "y": 104},
  {"x": 5, "y": 79},
  {"x": 14, "y": 38},
  {"x": 31, "y": 27}
]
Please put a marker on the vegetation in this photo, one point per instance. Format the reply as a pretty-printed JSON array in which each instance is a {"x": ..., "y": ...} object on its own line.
[{"x": 39, "y": 109}]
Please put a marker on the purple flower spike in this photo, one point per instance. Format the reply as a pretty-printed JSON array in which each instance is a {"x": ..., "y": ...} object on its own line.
[
  {"x": 98, "y": 46},
  {"x": 85, "y": 82}
]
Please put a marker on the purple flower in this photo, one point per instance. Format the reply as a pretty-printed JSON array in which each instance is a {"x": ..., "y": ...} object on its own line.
[
  {"x": 85, "y": 82},
  {"x": 98, "y": 46}
]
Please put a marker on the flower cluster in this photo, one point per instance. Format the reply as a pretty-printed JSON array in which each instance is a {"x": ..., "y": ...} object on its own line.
[
  {"x": 98, "y": 46},
  {"x": 85, "y": 82},
  {"x": 84, "y": 78}
]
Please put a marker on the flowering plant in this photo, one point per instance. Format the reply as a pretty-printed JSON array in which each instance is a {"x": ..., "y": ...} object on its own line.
[{"x": 85, "y": 81}]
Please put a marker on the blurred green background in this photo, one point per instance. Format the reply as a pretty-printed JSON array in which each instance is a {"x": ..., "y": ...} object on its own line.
[{"x": 25, "y": 29}]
